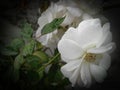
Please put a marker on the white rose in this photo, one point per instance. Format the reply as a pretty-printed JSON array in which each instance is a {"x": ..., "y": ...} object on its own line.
[
  {"x": 60, "y": 9},
  {"x": 86, "y": 51}
]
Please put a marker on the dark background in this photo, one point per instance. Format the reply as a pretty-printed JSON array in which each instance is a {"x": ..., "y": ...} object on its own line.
[{"x": 12, "y": 12}]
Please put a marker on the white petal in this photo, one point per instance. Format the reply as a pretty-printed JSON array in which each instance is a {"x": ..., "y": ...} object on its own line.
[
  {"x": 89, "y": 23},
  {"x": 87, "y": 16},
  {"x": 85, "y": 74},
  {"x": 45, "y": 18},
  {"x": 106, "y": 35},
  {"x": 69, "y": 49},
  {"x": 71, "y": 34},
  {"x": 105, "y": 62},
  {"x": 103, "y": 49},
  {"x": 60, "y": 10},
  {"x": 76, "y": 12},
  {"x": 48, "y": 13},
  {"x": 42, "y": 21},
  {"x": 68, "y": 19},
  {"x": 38, "y": 33},
  {"x": 68, "y": 69},
  {"x": 73, "y": 79},
  {"x": 97, "y": 72},
  {"x": 79, "y": 81},
  {"x": 89, "y": 31},
  {"x": 66, "y": 59}
]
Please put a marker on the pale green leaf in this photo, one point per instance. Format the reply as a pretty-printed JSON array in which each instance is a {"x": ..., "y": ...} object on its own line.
[
  {"x": 8, "y": 51},
  {"x": 27, "y": 31},
  {"x": 19, "y": 60},
  {"x": 38, "y": 45},
  {"x": 16, "y": 44},
  {"x": 42, "y": 55},
  {"x": 41, "y": 72},
  {"x": 33, "y": 61},
  {"x": 28, "y": 48}
]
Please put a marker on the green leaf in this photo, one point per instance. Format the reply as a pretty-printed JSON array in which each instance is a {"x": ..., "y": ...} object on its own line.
[
  {"x": 33, "y": 61},
  {"x": 19, "y": 60},
  {"x": 41, "y": 72},
  {"x": 28, "y": 48},
  {"x": 58, "y": 76},
  {"x": 27, "y": 31},
  {"x": 50, "y": 27},
  {"x": 8, "y": 51},
  {"x": 42, "y": 55},
  {"x": 38, "y": 45},
  {"x": 13, "y": 48},
  {"x": 16, "y": 44}
]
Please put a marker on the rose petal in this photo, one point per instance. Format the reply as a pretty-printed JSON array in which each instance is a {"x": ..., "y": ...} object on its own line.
[
  {"x": 48, "y": 13},
  {"x": 88, "y": 31},
  {"x": 58, "y": 10},
  {"x": 42, "y": 20},
  {"x": 70, "y": 34},
  {"x": 45, "y": 18},
  {"x": 73, "y": 79},
  {"x": 38, "y": 33},
  {"x": 68, "y": 69},
  {"x": 106, "y": 36},
  {"x": 103, "y": 49},
  {"x": 105, "y": 62},
  {"x": 97, "y": 72},
  {"x": 69, "y": 49},
  {"x": 85, "y": 74},
  {"x": 79, "y": 81},
  {"x": 68, "y": 19},
  {"x": 87, "y": 16},
  {"x": 76, "y": 12}
]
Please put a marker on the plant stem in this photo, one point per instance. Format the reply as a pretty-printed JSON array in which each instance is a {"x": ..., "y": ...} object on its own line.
[
  {"x": 58, "y": 54},
  {"x": 44, "y": 66}
]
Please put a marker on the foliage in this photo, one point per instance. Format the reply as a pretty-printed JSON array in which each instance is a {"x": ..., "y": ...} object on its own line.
[
  {"x": 24, "y": 61},
  {"x": 50, "y": 27}
]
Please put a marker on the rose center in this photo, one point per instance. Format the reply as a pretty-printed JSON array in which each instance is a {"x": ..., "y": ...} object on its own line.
[{"x": 90, "y": 57}]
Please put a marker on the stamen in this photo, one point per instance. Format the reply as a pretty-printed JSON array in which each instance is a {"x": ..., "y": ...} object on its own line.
[{"x": 90, "y": 57}]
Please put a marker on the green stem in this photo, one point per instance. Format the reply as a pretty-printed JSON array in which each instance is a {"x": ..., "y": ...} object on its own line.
[
  {"x": 58, "y": 54},
  {"x": 43, "y": 67}
]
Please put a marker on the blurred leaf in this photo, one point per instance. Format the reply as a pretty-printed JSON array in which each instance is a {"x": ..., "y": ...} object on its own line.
[
  {"x": 17, "y": 44},
  {"x": 41, "y": 72},
  {"x": 19, "y": 60},
  {"x": 52, "y": 26},
  {"x": 42, "y": 55},
  {"x": 13, "y": 48},
  {"x": 58, "y": 76},
  {"x": 33, "y": 61},
  {"x": 58, "y": 57},
  {"x": 8, "y": 51},
  {"x": 38, "y": 45},
  {"x": 27, "y": 31},
  {"x": 28, "y": 48},
  {"x": 56, "y": 51}
]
